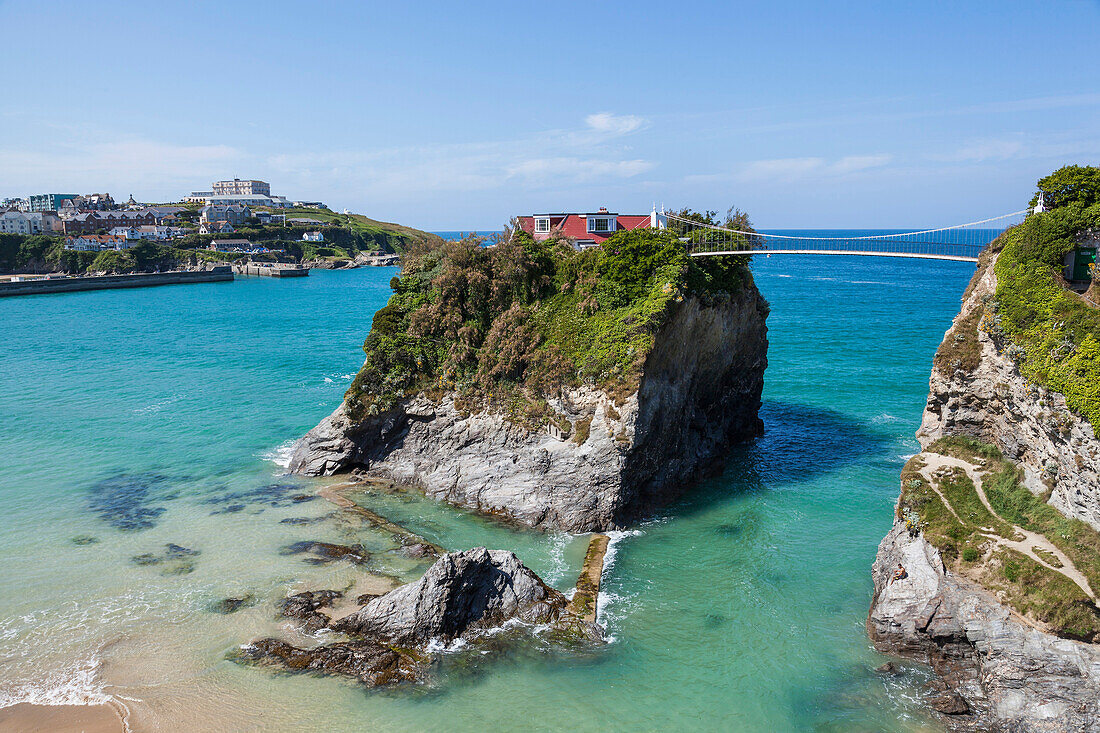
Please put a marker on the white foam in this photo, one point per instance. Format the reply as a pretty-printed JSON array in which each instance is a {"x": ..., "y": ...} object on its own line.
[
  {"x": 75, "y": 685},
  {"x": 558, "y": 543},
  {"x": 606, "y": 599},
  {"x": 280, "y": 456}
]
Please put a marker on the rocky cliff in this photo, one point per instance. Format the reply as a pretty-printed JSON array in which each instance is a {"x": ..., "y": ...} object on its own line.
[
  {"x": 996, "y": 671},
  {"x": 980, "y": 592},
  {"x": 608, "y": 459},
  {"x": 976, "y": 389}
]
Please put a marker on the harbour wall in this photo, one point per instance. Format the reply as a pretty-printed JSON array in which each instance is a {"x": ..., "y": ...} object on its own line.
[{"x": 108, "y": 282}]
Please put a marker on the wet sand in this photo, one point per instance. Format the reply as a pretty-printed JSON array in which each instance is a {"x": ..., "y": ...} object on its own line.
[{"x": 27, "y": 718}]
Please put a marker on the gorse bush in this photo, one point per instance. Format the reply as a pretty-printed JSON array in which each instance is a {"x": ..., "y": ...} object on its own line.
[{"x": 511, "y": 323}]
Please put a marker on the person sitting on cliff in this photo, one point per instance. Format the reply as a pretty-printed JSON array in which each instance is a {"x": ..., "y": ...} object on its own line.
[{"x": 900, "y": 573}]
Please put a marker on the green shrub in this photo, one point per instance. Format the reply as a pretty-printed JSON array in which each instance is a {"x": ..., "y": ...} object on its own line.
[
  {"x": 519, "y": 320},
  {"x": 1058, "y": 333},
  {"x": 970, "y": 554}
]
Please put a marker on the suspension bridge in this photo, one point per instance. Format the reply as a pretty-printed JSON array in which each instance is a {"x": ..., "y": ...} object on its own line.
[{"x": 959, "y": 243}]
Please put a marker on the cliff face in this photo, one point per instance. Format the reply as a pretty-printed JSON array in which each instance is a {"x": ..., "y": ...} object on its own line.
[
  {"x": 998, "y": 670},
  {"x": 992, "y": 402},
  {"x": 699, "y": 392}
]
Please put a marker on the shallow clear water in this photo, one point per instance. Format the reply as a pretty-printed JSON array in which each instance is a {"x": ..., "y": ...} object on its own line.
[{"x": 739, "y": 608}]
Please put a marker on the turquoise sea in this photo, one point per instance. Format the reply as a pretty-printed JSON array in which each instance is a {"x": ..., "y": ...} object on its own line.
[{"x": 137, "y": 419}]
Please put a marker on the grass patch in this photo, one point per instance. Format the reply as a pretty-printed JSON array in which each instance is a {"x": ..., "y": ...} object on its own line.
[
  {"x": 938, "y": 524},
  {"x": 966, "y": 448},
  {"x": 961, "y": 492},
  {"x": 1078, "y": 540},
  {"x": 1043, "y": 595},
  {"x": 960, "y": 350},
  {"x": 507, "y": 326},
  {"x": 581, "y": 430}
]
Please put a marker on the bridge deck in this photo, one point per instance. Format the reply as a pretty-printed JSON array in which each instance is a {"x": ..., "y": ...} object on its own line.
[{"x": 860, "y": 253}]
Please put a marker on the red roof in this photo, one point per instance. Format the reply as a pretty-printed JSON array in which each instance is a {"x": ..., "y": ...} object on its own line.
[{"x": 576, "y": 225}]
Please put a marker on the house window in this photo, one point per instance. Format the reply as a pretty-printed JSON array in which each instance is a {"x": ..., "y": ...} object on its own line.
[
  {"x": 542, "y": 225},
  {"x": 599, "y": 224}
]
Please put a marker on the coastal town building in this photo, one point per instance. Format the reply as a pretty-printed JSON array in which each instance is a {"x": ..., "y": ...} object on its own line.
[
  {"x": 313, "y": 237},
  {"x": 29, "y": 222},
  {"x": 237, "y": 187},
  {"x": 49, "y": 201},
  {"x": 97, "y": 243},
  {"x": 90, "y": 222},
  {"x": 157, "y": 233},
  {"x": 234, "y": 245},
  {"x": 165, "y": 213},
  {"x": 216, "y": 227},
  {"x": 586, "y": 230},
  {"x": 302, "y": 221},
  {"x": 20, "y": 204},
  {"x": 249, "y": 199},
  {"x": 233, "y": 213},
  {"x": 198, "y": 197}
]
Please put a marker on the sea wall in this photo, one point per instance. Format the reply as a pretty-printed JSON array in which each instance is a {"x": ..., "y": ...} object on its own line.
[
  {"x": 109, "y": 282},
  {"x": 622, "y": 457},
  {"x": 993, "y": 402}
]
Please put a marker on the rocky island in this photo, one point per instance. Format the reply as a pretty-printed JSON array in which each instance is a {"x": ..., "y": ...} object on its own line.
[
  {"x": 465, "y": 596},
  {"x": 991, "y": 570},
  {"x": 553, "y": 387}
]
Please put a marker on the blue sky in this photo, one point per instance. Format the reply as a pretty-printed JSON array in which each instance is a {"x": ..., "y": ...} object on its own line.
[{"x": 460, "y": 115}]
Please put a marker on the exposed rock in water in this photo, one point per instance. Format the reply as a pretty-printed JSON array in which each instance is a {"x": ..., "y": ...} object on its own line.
[
  {"x": 371, "y": 663},
  {"x": 699, "y": 393},
  {"x": 463, "y": 595},
  {"x": 324, "y": 552},
  {"x": 987, "y": 398},
  {"x": 306, "y": 606},
  {"x": 462, "y": 591}
]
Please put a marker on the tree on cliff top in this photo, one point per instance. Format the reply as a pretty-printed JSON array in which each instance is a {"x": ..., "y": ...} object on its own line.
[{"x": 1070, "y": 184}]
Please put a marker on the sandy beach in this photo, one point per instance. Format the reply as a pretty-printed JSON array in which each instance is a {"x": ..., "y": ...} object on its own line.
[{"x": 28, "y": 718}]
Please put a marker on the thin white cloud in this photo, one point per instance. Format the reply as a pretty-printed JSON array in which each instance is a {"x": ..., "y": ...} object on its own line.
[
  {"x": 576, "y": 170},
  {"x": 613, "y": 124},
  {"x": 853, "y": 163},
  {"x": 790, "y": 169},
  {"x": 980, "y": 151},
  {"x": 133, "y": 164}
]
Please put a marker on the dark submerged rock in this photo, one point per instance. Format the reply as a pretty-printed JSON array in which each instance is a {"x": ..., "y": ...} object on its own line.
[
  {"x": 370, "y": 662},
  {"x": 325, "y": 552},
  {"x": 418, "y": 550},
  {"x": 84, "y": 539},
  {"x": 124, "y": 501},
  {"x": 175, "y": 559},
  {"x": 232, "y": 605},
  {"x": 302, "y": 521}
]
